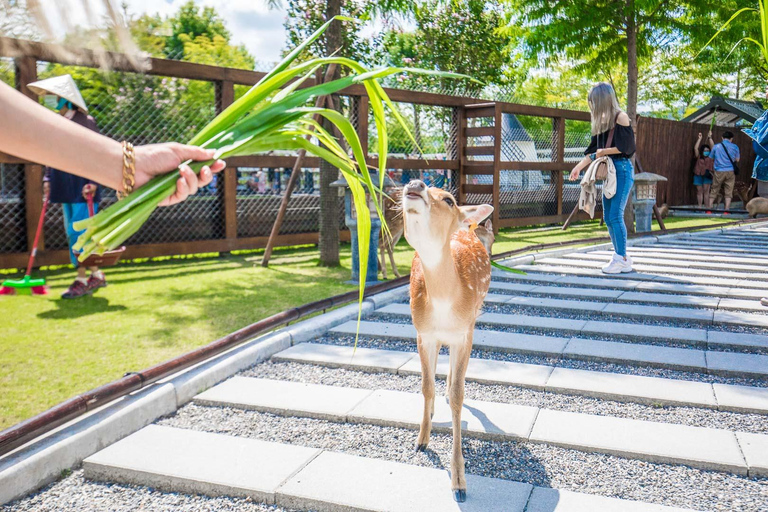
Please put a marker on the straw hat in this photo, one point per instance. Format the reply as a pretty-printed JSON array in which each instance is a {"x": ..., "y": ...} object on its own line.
[{"x": 62, "y": 86}]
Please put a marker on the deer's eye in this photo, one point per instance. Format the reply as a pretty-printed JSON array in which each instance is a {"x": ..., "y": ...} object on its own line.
[{"x": 449, "y": 201}]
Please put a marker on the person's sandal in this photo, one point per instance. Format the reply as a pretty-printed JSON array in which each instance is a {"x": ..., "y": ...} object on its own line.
[
  {"x": 94, "y": 283},
  {"x": 75, "y": 290}
]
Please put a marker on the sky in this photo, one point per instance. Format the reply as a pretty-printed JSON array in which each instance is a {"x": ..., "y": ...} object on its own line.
[{"x": 251, "y": 22}]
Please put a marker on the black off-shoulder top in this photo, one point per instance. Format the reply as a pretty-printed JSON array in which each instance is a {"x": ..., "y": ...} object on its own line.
[{"x": 623, "y": 140}]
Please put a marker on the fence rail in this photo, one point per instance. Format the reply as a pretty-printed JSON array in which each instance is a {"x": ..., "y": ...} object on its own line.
[{"x": 512, "y": 155}]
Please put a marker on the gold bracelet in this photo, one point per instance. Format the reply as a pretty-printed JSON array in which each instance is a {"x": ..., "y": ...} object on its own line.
[{"x": 129, "y": 170}]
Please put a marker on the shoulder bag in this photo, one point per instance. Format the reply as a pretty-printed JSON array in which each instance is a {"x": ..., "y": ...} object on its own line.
[
  {"x": 602, "y": 167},
  {"x": 733, "y": 164}
]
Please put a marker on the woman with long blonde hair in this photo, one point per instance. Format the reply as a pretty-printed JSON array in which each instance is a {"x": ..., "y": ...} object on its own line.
[{"x": 606, "y": 116}]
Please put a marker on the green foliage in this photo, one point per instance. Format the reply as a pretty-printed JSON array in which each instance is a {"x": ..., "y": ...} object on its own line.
[{"x": 193, "y": 22}]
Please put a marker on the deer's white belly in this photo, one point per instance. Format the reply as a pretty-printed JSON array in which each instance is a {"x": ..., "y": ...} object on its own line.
[{"x": 446, "y": 327}]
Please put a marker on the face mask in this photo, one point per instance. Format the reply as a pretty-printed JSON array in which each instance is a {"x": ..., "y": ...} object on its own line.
[
  {"x": 49, "y": 101},
  {"x": 706, "y": 153},
  {"x": 63, "y": 103}
]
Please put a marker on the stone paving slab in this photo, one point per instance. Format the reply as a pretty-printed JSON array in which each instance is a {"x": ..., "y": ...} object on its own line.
[
  {"x": 755, "y": 448},
  {"x": 496, "y": 298},
  {"x": 748, "y": 365},
  {"x": 584, "y": 293},
  {"x": 704, "y": 448},
  {"x": 544, "y": 499},
  {"x": 488, "y": 420},
  {"x": 644, "y": 331},
  {"x": 716, "y": 246},
  {"x": 661, "y": 269},
  {"x": 741, "y": 398},
  {"x": 488, "y": 371},
  {"x": 715, "y": 338},
  {"x": 685, "y": 314},
  {"x": 188, "y": 461},
  {"x": 712, "y": 262},
  {"x": 570, "y": 305},
  {"x": 336, "y": 482},
  {"x": 591, "y": 272},
  {"x": 667, "y": 298},
  {"x": 740, "y": 318},
  {"x": 619, "y": 386},
  {"x": 284, "y": 397},
  {"x": 692, "y": 254},
  {"x": 508, "y": 276},
  {"x": 633, "y": 353},
  {"x": 518, "y": 342},
  {"x": 343, "y": 357},
  {"x": 508, "y": 287},
  {"x": 600, "y": 282},
  {"x": 532, "y": 322},
  {"x": 743, "y": 304}
]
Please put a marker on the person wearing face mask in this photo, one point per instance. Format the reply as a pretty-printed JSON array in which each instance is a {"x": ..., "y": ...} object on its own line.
[
  {"x": 702, "y": 172},
  {"x": 69, "y": 190}
]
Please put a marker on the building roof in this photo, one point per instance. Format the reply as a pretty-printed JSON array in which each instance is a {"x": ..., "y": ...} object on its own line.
[{"x": 729, "y": 111}]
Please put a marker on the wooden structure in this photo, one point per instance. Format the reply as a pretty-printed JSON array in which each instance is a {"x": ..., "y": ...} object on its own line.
[{"x": 475, "y": 156}]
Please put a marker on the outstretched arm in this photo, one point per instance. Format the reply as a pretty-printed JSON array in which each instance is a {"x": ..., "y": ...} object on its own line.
[
  {"x": 34, "y": 133},
  {"x": 696, "y": 146}
]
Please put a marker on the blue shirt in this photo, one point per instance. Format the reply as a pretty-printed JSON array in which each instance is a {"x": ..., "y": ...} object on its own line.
[{"x": 721, "y": 159}]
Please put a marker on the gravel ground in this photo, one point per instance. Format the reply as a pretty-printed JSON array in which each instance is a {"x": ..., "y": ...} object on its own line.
[
  {"x": 692, "y": 416},
  {"x": 410, "y": 346},
  {"x": 75, "y": 494},
  {"x": 537, "y": 464}
]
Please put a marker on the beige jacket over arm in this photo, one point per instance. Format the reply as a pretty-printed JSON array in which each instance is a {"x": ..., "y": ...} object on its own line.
[{"x": 588, "y": 196}]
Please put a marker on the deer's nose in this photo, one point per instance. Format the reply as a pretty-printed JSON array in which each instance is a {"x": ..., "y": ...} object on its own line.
[{"x": 415, "y": 187}]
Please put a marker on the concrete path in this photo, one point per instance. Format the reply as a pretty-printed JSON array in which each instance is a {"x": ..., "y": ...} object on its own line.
[{"x": 299, "y": 478}]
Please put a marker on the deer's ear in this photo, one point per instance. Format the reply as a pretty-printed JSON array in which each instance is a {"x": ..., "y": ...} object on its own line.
[{"x": 474, "y": 214}]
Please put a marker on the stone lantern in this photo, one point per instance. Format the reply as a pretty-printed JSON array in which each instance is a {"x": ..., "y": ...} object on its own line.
[
  {"x": 644, "y": 199},
  {"x": 350, "y": 220}
]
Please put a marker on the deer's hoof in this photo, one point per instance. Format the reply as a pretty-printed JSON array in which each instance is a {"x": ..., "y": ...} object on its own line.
[
  {"x": 460, "y": 495},
  {"x": 422, "y": 447}
]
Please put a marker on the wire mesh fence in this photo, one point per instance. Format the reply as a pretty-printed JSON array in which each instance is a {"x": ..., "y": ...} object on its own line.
[{"x": 148, "y": 108}]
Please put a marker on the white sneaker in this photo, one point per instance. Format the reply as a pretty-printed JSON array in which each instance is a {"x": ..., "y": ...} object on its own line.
[{"x": 618, "y": 265}]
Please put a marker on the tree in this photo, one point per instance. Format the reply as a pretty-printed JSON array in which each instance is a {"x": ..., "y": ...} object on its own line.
[
  {"x": 193, "y": 22},
  {"x": 304, "y": 17},
  {"x": 597, "y": 34}
]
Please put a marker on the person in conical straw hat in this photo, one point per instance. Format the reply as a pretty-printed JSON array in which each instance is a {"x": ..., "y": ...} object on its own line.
[{"x": 62, "y": 94}]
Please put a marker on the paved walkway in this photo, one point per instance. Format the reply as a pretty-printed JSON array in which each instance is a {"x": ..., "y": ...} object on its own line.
[{"x": 691, "y": 310}]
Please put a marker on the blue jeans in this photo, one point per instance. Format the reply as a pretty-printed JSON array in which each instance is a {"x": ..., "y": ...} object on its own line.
[
  {"x": 613, "y": 208},
  {"x": 74, "y": 212}
]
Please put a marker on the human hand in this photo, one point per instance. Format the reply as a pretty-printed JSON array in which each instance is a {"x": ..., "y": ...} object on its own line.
[
  {"x": 601, "y": 153},
  {"x": 46, "y": 189},
  {"x": 156, "y": 159},
  {"x": 89, "y": 189},
  {"x": 574, "y": 174},
  {"x": 700, "y": 135}
]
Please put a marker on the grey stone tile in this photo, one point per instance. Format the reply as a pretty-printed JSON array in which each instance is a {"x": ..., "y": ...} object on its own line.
[
  {"x": 618, "y": 386},
  {"x": 284, "y": 397},
  {"x": 489, "y": 420},
  {"x": 704, "y": 448},
  {"x": 739, "y": 318},
  {"x": 544, "y": 499},
  {"x": 686, "y": 314},
  {"x": 532, "y": 322},
  {"x": 640, "y": 331},
  {"x": 336, "y": 482},
  {"x": 736, "y": 339},
  {"x": 670, "y": 298},
  {"x": 346, "y": 357},
  {"x": 730, "y": 363},
  {"x": 570, "y": 305},
  {"x": 634, "y": 353},
  {"x": 606, "y": 295},
  {"x": 741, "y": 398},
  {"x": 193, "y": 462},
  {"x": 755, "y": 448}
]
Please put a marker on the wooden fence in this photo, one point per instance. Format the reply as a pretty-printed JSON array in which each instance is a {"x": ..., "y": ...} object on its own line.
[{"x": 517, "y": 161}]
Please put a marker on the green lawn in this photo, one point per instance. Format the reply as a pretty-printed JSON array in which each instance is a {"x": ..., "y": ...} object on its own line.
[{"x": 52, "y": 349}]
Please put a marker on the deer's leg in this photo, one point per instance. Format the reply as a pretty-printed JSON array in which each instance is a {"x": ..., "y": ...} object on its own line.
[
  {"x": 428, "y": 349},
  {"x": 382, "y": 264},
  {"x": 458, "y": 370}
]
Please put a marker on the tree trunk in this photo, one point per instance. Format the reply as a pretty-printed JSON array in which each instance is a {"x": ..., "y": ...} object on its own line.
[
  {"x": 631, "y": 62},
  {"x": 329, "y": 200}
]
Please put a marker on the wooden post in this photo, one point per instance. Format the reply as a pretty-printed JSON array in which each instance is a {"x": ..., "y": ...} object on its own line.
[
  {"x": 224, "y": 91},
  {"x": 559, "y": 157},
  {"x": 362, "y": 122},
  {"x": 458, "y": 130},
  {"x": 497, "y": 168},
  {"x": 26, "y": 73},
  {"x": 295, "y": 173}
]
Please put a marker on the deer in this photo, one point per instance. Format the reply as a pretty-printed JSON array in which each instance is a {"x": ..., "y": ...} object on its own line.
[
  {"x": 394, "y": 219},
  {"x": 450, "y": 277}
]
